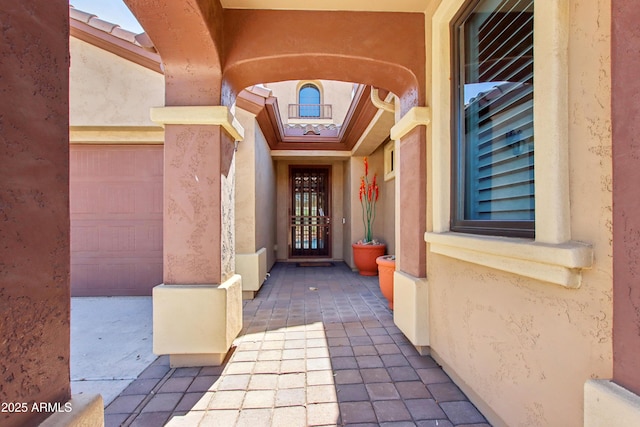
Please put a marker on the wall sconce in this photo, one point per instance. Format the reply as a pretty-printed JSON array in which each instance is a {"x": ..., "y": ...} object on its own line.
[{"x": 235, "y": 145}]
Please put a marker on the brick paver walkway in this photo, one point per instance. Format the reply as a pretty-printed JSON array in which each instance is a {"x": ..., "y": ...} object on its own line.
[{"x": 318, "y": 347}]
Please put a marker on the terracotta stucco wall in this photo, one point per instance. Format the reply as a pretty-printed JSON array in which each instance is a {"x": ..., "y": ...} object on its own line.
[
  {"x": 101, "y": 95},
  {"x": 626, "y": 196},
  {"x": 228, "y": 222},
  {"x": 34, "y": 207},
  {"x": 522, "y": 349}
]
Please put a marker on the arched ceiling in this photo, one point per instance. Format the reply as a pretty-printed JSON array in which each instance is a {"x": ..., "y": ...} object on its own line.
[{"x": 210, "y": 53}]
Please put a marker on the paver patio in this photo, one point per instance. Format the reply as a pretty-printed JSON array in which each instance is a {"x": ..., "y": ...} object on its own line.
[{"x": 318, "y": 348}]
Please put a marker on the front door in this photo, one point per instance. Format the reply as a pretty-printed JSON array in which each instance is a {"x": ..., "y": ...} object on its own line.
[{"x": 310, "y": 211}]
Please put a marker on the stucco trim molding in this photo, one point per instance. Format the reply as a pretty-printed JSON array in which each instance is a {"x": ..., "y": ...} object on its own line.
[
  {"x": 561, "y": 264},
  {"x": 199, "y": 115},
  {"x": 417, "y": 116},
  {"x": 329, "y": 154},
  {"x": 608, "y": 404},
  {"x": 116, "y": 135}
]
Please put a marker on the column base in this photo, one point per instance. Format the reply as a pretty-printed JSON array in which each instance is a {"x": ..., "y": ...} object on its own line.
[
  {"x": 191, "y": 360},
  {"x": 196, "y": 324},
  {"x": 249, "y": 294},
  {"x": 83, "y": 410},
  {"x": 608, "y": 404},
  {"x": 411, "y": 309},
  {"x": 423, "y": 350},
  {"x": 253, "y": 270}
]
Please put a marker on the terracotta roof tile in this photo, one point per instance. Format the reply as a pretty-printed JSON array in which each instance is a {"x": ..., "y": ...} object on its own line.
[
  {"x": 145, "y": 42},
  {"x": 102, "y": 25},
  {"x": 124, "y": 34},
  {"x": 79, "y": 15},
  {"x": 112, "y": 38},
  {"x": 105, "y": 26},
  {"x": 260, "y": 91}
]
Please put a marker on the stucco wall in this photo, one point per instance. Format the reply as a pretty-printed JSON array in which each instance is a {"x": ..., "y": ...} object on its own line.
[
  {"x": 521, "y": 348},
  {"x": 626, "y": 133},
  {"x": 34, "y": 207},
  {"x": 265, "y": 194},
  {"x": 255, "y": 191},
  {"x": 348, "y": 214},
  {"x": 228, "y": 222},
  {"x": 245, "y": 185},
  {"x": 384, "y": 224},
  {"x": 338, "y": 94},
  {"x": 382, "y": 227},
  {"x": 99, "y": 97},
  {"x": 387, "y": 207},
  {"x": 283, "y": 205}
]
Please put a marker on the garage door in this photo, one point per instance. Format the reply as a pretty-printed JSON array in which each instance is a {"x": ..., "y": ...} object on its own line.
[{"x": 116, "y": 219}]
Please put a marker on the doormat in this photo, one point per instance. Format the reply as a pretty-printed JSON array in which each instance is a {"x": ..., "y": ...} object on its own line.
[{"x": 315, "y": 264}]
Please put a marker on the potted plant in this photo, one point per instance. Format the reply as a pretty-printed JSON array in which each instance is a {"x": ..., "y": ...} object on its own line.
[
  {"x": 366, "y": 251},
  {"x": 386, "y": 267}
]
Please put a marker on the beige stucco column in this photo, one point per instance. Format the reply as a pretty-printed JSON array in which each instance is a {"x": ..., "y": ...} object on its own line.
[
  {"x": 410, "y": 284},
  {"x": 197, "y": 311}
]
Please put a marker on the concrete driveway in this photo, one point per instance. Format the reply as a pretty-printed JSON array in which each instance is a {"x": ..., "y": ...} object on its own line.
[{"x": 111, "y": 343}]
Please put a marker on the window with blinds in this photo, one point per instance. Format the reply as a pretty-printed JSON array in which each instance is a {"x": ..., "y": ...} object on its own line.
[{"x": 493, "y": 140}]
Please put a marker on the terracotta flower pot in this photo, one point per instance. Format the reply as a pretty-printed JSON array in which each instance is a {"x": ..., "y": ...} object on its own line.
[
  {"x": 386, "y": 267},
  {"x": 364, "y": 257}
]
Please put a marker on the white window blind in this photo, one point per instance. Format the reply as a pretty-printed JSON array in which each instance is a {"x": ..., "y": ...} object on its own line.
[{"x": 495, "y": 130}]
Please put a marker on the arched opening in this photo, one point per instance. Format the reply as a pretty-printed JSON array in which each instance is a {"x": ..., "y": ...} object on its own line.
[{"x": 309, "y": 101}]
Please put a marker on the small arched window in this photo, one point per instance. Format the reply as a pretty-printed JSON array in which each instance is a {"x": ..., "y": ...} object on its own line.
[{"x": 309, "y": 100}]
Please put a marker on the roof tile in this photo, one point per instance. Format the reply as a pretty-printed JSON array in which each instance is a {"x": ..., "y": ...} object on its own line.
[
  {"x": 124, "y": 34},
  {"x": 99, "y": 24},
  {"x": 80, "y": 15},
  {"x": 110, "y": 28}
]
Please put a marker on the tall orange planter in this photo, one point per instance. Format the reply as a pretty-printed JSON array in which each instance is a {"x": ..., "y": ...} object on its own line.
[
  {"x": 386, "y": 267},
  {"x": 364, "y": 257}
]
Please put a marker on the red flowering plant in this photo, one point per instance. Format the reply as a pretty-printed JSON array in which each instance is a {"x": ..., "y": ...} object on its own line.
[{"x": 368, "y": 194}]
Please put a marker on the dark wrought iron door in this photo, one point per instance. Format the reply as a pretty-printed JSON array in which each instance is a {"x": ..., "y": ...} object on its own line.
[{"x": 310, "y": 212}]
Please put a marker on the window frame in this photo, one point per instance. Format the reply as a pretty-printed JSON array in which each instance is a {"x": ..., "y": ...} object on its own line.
[
  {"x": 303, "y": 86},
  {"x": 513, "y": 228},
  {"x": 389, "y": 159},
  {"x": 552, "y": 256}
]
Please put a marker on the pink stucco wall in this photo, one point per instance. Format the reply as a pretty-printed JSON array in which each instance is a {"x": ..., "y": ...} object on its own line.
[
  {"x": 34, "y": 206},
  {"x": 626, "y": 192}
]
